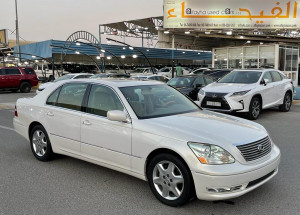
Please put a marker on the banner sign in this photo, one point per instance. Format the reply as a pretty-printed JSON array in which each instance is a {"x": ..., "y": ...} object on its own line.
[
  {"x": 3, "y": 37},
  {"x": 214, "y": 14}
]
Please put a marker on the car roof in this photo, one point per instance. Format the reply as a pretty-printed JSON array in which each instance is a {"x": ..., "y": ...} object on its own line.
[{"x": 115, "y": 82}]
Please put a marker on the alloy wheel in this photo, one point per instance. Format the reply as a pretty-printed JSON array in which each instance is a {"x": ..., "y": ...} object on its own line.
[
  {"x": 168, "y": 180},
  {"x": 39, "y": 143},
  {"x": 255, "y": 109},
  {"x": 288, "y": 101}
]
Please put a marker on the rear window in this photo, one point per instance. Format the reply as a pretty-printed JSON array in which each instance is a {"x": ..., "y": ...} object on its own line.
[
  {"x": 29, "y": 71},
  {"x": 12, "y": 72}
]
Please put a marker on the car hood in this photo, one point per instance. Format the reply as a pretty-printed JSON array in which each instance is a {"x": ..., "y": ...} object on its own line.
[
  {"x": 206, "y": 127},
  {"x": 45, "y": 85},
  {"x": 227, "y": 87}
]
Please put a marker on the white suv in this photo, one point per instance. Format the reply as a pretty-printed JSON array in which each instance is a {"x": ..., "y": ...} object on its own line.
[{"x": 248, "y": 91}]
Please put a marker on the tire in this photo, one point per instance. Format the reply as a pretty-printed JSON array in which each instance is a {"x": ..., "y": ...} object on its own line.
[
  {"x": 25, "y": 87},
  {"x": 287, "y": 103},
  {"x": 40, "y": 144},
  {"x": 254, "y": 108},
  {"x": 163, "y": 179}
]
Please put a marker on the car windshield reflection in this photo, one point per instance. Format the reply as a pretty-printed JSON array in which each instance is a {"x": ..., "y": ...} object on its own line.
[{"x": 157, "y": 101}]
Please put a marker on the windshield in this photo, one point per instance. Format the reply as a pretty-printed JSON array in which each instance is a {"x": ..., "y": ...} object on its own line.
[
  {"x": 65, "y": 77},
  {"x": 157, "y": 101},
  {"x": 241, "y": 77},
  {"x": 182, "y": 82}
]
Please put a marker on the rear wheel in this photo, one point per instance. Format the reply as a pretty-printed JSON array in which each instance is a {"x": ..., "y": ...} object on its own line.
[
  {"x": 287, "y": 103},
  {"x": 170, "y": 180},
  {"x": 25, "y": 87},
  {"x": 254, "y": 108},
  {"x": 40, "y": 144}
]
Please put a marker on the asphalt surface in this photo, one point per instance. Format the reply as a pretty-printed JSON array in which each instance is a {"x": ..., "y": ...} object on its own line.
[{"x": 70, "y": 186}]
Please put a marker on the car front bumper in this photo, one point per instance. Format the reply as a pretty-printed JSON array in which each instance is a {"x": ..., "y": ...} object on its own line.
[
  {"x": 232, "y": 103},
  {"x": 222, "y": 187}
]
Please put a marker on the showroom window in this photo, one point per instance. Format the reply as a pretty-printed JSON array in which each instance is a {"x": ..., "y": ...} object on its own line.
[
  {"x": 251, "y": 58},
  {"x": 103, "y": 99},
  {"x": 71, "y": 96},
  {"x": 221, "y": 58},
  {"x": 235, "y": 58},
  {"x": 267, "y": 57}
]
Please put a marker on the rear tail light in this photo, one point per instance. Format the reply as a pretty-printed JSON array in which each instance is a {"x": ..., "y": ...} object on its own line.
[{"x": 16, "y": 111}]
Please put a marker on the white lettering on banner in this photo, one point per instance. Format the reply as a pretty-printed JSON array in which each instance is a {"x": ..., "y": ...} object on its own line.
[{"x": 231, "y": 14}]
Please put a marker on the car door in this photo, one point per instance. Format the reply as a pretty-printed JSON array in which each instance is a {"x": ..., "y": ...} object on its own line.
[
  {"x": 63, "y": 117},
  {"x": 13, "y": 77},
  {"x": 103, "y": 140},
  {"x": 266, "y": 90},
  {"x": 3, "y": 82},
  {"x": 278, "y": 88}
]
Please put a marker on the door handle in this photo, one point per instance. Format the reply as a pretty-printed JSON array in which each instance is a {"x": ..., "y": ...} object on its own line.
[
  {"x": 86, "y": 122},
  {"x": 50, "y": 113}
]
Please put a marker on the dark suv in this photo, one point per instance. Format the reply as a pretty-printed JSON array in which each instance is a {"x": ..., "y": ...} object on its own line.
[{"x": 18, "y": 78}]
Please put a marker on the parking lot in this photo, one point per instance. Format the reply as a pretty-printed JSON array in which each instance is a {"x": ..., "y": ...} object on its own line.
[{"x": 69, "y": 186}]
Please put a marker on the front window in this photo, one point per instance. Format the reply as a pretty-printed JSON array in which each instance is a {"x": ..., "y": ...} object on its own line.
[
  {"x": 241, "y": 77},
  {"x": 157, "y": 101},
  {"x": 101, "y": 100},
  {"x": 182, "y": 82}
]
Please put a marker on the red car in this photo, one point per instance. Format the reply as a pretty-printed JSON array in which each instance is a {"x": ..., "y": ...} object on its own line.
[{"x": 18, "y": 78}]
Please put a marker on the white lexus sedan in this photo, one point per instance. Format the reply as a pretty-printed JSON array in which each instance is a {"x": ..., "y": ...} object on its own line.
[
  {"x": 248, "y": 91},
  {"x": 153, "y": 132}
]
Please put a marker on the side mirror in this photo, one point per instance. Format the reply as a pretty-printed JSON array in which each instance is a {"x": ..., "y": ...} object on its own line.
[
  {"x": 265, "y": 81},
  {"x": 117, "y": 115}
]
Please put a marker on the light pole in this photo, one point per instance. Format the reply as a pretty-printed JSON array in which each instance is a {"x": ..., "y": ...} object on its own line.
[
  {"x": 103, "y": 51},
  {"x": 17, "y": 28},
  {"x": 77, "y": 52},
  {"x": 133, "y": 48}
]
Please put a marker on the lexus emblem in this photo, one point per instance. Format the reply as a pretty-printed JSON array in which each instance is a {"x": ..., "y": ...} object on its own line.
[
  {"x": 214, "y": 95},
  {"x": 260, "y": 147}
]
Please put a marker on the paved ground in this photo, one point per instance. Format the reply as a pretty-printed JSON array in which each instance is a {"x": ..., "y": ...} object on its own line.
[{"x": 70, "y": 186}]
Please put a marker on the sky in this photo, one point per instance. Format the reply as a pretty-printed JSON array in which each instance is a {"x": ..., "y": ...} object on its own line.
[{"x": 56, "y": 19}]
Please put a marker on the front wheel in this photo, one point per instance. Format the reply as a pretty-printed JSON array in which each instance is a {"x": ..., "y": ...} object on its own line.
[
  {"x": 170, "y": 180},
  {"x": 40, "y": 144},
  {"x": 287, "y": 103},
  {"x": 254, "y": 108}
]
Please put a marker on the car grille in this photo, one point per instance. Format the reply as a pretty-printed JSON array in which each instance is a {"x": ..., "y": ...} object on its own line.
[
  {"x": 256, "y": 150},
  {"x": 215, "y": 97}
]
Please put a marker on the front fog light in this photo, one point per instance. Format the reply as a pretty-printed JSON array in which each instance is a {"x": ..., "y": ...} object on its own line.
[{"x": 211, "y": 154}]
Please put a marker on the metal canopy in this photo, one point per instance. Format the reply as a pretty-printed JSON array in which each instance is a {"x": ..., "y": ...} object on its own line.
[{"x": 201, "y": 39}]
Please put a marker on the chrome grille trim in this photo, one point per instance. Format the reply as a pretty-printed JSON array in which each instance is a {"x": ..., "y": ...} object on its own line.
[{"x": 251, "y": 152}]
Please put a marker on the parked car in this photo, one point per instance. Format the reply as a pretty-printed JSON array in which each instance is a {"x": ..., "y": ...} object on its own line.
[
  {"x": 152, "y": 77},
  {"x": 111, "y": 75},
  {"x": 167, "y": 71},
  {"x": 151, "y": 131},
  {"x": 143, "y": 71},
  {"x": 199, "y": 71},
  {"x": 62, "y": 78},
  {"x": 191, "y": 84},
  {"x": 18, "y": 78},
  {"x": 248, "y": 91}
]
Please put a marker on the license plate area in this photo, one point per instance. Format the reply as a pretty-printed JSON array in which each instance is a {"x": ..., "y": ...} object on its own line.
[{"x": 215, "y": 104}]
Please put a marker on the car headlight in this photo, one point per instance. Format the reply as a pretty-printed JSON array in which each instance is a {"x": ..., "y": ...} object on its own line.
[
  {"x": 211, "y": 154},
  {"x": 202, "y": 92},
  {"x": 241, "y": 93}
]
